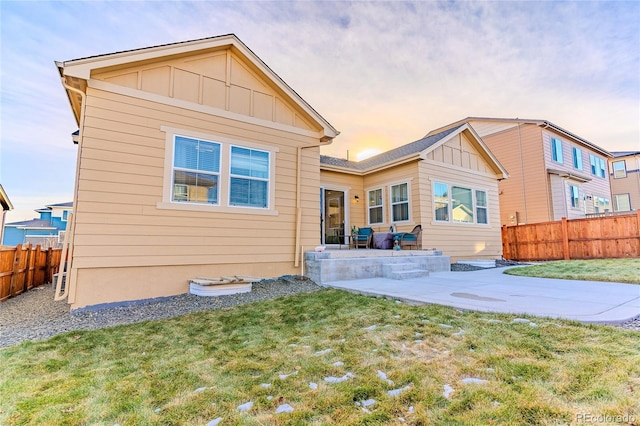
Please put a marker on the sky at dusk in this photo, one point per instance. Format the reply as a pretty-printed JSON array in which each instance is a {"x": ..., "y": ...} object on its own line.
[{"x": 383, "y": 73}]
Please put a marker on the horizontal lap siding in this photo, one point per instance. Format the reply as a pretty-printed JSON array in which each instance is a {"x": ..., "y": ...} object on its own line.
[
  {"x": 596, "y": 187},
  {"x": 460, "y": 240},
  {"x": 526, "y": 190},
  {"x": 121, "y": 181},
  {"x": 385, "y": 179}
]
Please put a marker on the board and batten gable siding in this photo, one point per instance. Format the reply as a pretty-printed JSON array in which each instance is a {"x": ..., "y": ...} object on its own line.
[
  {"x": 219, "y": 79},
  {"x": 460, "y": 240},
  {"x": 559, "y": 196},
  {"x": 524, "y": 196},
  {"x": 127, "y": 248}
]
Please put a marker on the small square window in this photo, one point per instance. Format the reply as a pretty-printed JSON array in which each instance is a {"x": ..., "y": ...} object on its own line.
[{"x": 619, "y": 169}]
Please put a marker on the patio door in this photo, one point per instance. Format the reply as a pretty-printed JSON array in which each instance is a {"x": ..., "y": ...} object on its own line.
[{"x": 333, "y": 216}]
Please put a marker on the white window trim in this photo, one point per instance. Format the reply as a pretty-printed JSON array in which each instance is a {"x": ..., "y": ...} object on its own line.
[
  {"x": 475, "y": 206},
  {"x": 617, "y": 204},
  {"x": 409, "y": 204},
  {"x": 268, "y": 180},
  {"x": 575, "y": 149},
  {"x": 577, "y": 206},
  {"x": 554, "y": 152},
  {"x": 173, "y": 184},
  {"x": 369, "y": 206},
  {"x": 624, "y": 169},
  {"x": 433, "y": 201},
  {"x": 600, "y": 166},
  {"x": 223, "y": 178}
]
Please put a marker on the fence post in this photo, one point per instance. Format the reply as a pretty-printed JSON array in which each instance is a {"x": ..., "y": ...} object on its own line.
[
  {"x": 16, "y": 268},
  {"x": 565, "y": 239},
  {"x": 28, "y": 277},
  {"x": 506, "y": 254},
  {"x": 33, "y": 277},
  {"x": 48, "y": 277}
]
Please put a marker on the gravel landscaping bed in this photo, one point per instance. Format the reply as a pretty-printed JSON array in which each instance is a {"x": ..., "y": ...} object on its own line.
[{"x": 34, "y": 315}]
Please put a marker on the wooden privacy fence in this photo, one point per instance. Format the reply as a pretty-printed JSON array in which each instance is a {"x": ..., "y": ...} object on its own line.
[
  {"x": 25, "y": 267},
  {"x": 591, "y": 238}
]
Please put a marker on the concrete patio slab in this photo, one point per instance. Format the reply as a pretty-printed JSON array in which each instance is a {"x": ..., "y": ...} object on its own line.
[{"x": 491, "y": 290}]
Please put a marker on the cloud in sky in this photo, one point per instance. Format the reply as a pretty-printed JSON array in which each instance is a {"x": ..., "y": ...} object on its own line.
[{"x": 383, "y": 73}]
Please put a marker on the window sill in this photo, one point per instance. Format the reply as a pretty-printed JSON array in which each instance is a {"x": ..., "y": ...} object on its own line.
[{"x": 215, "y": 209}]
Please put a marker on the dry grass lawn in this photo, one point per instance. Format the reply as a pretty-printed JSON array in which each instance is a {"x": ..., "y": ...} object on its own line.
[{"x": 198, "y": 369}]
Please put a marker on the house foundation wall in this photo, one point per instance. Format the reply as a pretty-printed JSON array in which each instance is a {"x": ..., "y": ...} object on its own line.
[{"x": 102, "y": 287}]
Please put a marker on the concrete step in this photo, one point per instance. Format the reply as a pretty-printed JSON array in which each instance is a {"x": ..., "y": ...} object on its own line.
[
  {"x": 406, "y": 275},
  {"x": 403, "y": 271}
]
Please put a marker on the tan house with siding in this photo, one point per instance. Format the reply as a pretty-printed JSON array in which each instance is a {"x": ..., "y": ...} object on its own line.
[
  {"x": 625, "y": 180},
  {"x": 194, "y": 159},
  {"x": 446, "y": 182},
  {"x": 553, "y": 172}
]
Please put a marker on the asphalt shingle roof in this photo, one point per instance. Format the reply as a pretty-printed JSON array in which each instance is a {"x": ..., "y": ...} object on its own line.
[
  {"x": 391, "y": 155},
  {"x": 33, "y": 223},
  {"x": 624, "y": 153}
]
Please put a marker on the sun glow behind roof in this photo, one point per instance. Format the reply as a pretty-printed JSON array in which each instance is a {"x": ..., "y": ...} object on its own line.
[{"x": 364, "y": 154}]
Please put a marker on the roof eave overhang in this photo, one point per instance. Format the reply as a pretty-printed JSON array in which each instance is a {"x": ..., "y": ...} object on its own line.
[
  {"x": 39, "y": 228},
  {"x": 338, "y": 169},
  {"x": 397, "y": 162},
  {"x": 547, "y": 124},
  {"x": 541, "y": 123},
  {"x": 4, "y": 200},
  {"x": 373, "y": 169},
  {"x": 569, "y": 175}
]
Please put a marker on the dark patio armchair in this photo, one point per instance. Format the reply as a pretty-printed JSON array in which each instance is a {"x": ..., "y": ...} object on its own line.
[
  {"x": 408, "y": 239},
  {"x": 363, "y": 238}
]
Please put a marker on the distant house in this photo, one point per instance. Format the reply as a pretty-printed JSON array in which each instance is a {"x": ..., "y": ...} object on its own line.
[
  {"x": 6, "y": 205},
  {"x": 446, "y": 182},
  {"x": 47, "y": 231},
  {"x": 195, "y": 159},
  {"x": 625, "y": 180},
  {"x": 553, "y": 172}
]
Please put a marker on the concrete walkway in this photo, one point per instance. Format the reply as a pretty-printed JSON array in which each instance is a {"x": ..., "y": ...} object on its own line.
[{"x": 490, "y": 290}]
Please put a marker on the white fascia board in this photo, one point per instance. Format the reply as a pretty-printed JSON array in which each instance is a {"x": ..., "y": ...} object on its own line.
[{"x": 81, "y": 68}]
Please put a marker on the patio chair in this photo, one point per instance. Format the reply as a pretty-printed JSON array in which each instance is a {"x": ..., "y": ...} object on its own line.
[
  {"x": 408, "y": 239},
  {"x": 363, "y": 238}
]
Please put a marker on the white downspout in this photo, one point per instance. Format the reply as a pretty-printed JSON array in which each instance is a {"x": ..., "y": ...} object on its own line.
[{"x": 296, "y": 261}]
